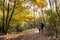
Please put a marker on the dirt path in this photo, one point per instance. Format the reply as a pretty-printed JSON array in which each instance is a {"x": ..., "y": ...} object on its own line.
[
  {"x": 34, "y": 35},
  {"x": 31, "y": 34}
]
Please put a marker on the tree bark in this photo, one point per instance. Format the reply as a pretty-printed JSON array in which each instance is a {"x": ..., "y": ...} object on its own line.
[
  {"x": 7, "y": 16},
  {"x": 12, "y": 12},
  {"x": 3, "y": 30}
]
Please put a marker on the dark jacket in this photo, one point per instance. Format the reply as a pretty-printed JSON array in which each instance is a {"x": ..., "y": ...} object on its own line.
[{"x": 42, "y": 25}]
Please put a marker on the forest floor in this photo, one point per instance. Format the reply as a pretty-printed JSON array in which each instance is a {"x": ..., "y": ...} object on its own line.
[{"x": 31, "y": 34}]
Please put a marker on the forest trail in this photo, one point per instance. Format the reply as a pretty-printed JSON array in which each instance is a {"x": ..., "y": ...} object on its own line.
[{"x": 32, "y": 34}]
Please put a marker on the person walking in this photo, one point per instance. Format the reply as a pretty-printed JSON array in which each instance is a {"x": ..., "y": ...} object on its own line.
[{"x": 42, "y": 26}]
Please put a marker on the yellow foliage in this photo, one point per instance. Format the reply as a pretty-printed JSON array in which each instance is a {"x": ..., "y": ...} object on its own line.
[
  {"x": 23, "y": 16},
  {"x": 38, "y": 0},
  {"x": 30, "y": 18},
  {"x": 22, "y": 23},
  {"x": 41, "y": 3}
]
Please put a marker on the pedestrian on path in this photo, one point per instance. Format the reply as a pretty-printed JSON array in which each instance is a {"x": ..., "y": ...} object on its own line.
[{"x": 42, "y": 26}]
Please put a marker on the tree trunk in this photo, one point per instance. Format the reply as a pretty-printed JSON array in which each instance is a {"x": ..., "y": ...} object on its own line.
[
  {"x": 56, "y": 8},
  {"x": 8, "y": 20},
  {"x": 3, "y": 30},
  {"x": 12, "y": 12}
]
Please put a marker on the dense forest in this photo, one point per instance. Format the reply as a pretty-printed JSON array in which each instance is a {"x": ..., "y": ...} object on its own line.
[{"x": 22, "y": 15}]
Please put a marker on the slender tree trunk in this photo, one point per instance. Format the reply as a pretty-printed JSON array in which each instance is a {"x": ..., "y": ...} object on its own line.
[
  {"x": 3, "y": 30},
  {"x": 50, "y": 3},
  {"x": 34, "y": 16},
  {"x": 8, "y": 20},
  {"x": 7, "y": 16},
  {"x": 56, "y": 8},
  {"x": 12, "y": 12}
]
